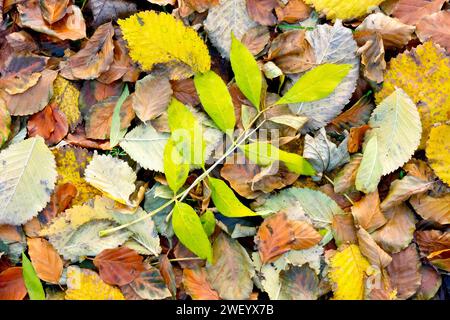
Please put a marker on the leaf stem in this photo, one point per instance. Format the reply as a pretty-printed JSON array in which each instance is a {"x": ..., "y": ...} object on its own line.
[{"x": 344, "y": 194}]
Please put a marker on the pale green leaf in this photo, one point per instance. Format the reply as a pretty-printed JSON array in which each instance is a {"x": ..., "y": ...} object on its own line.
[
  {"x": 316, "y": 84},
  {"x": 146, "y": 146},
  {"x": 370, "y": 170},
  {"x": 189, "y": 230},
  {"x": 116, "y": 133},
  {"x": 265, "y": 154},
  {"x": 209, "y": 222},
  {"x": 175, "y": 168},
  {"x": 27, "y": 179},
  {"x": 32, "y": 282},
  {"x": 246, "y": 71},
  {"x": 226, "y": 201},
  {"x": 216, "y": 100}
]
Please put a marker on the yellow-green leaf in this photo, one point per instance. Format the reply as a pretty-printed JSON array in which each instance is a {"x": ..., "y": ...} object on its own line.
[
  {"x": 316, "y": 84},
  {"x": 226, "y": 201},
  {"x": 370, "y": 170},
  {"x": 216, "y": 100},
  {"x": 175, "y": 168},
  {"x": 32, "y": 282},
  {"x": 246, "y": 71},
  {"x": 116, "y": 133},
  {"x": 189, "y": 230},
  {"x": 160, "y": 38},
  {"x": 264, "y": 154},
  {"x": 347, "y": 273},
  {"x": 5, "y": 122}
]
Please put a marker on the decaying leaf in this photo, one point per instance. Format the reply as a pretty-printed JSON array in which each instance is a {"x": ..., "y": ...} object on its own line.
[
  {"x": 150, "y": 285},
  {"x": 438, "y": 151},
  {"x": 107, "y": 10},
  {"x": 197, "y": 286},
  {"x": 293, "y": 11},
  {"x": 367, "y": 212},
  {"x": 435, "y": 27},
  {"x": 46, "y": 261},
  {"x": 65, "y": 96},
  {"x": 432, "y": 208},
  {"x": 413, "y": 11}
]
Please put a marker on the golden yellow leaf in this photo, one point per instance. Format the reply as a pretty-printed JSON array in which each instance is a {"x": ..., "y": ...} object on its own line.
[
  {"x": 160, "y": 38},
  {"x": 66, "y": 95},
  {"x": 70, "y": 165},
  {"x": 85, "y": 284},
  {"x": 5, "y": 122},
  {"x": 347, "y": 273},
  {"x": 423, "y": 74},
  {"x": 345, "y": 10},
  {"x": 438, "y": 150}
]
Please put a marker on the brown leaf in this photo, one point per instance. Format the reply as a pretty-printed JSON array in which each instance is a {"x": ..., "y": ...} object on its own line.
[
  {"x": 46, "y": 261},
  {"x": 167, "y": 272},
  {"x": 299, "y": 283},
  {"x": 94, "y": 59},
  {"x": 431, "y": 208},
  {"x": 186, "y": 7},
  {"x": 79, "y": 139},
  {"x": 191, "y": 260},
  {"x": 256, "y": 39},
  {"x": 12, "y": 286},
  {"x": 294, "y": 11},
  {"x": 119, "y": 266},
  {"x": 60, "y": 200},
  {"x": 370, "y": 249},
  {"x": 356, "y": 138},
  {"x": 50, "y": 123},
  {"x": 185, "y": 92},
  {"x": 372, "y": 54},
  {"x": 152, "y": 97},
  {"x": 261, "y": 11},
  {"x": 21, "y": 72},
  {"x": 432, "y": 241},
  {"x": 148, "y": 285},
  {"x": 95, "y": 91},
  {"x": 412, "y": 11},
  {"x": 435, "y": 27},
  {"x": 402, "y": 189},
  {"x": 397, "y": 233},
  {"x": 34, "y": 99},
  {"x": 22, "y": 41},
  {"x": 440, "y": 259},
  {"x": 53, "y": 10},
  {"x": 278, "y": 235},
  {"x": 70, "y": 27},
  {"x": 367, "y": 212},
  {"x": 343, "y": 228},
  {"x": 106, "y": 10},
  {"x": 404, "y": 272},
  {"x": 357, "y": 115},
  {"x": 98, "y": 120},
  {"x": 345, "y": 179},
  {"x": 197, "y": 286},
  {"x": 430, "y": 283},
  {"x": 291, "y": 52}
]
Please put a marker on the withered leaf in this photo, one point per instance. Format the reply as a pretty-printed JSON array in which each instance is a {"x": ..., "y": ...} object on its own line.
[
  {"x": 256, "y": 39},
  {"x": 293, "y": 11},
  {"x": 261, "y": 11},
  {"x": 197, "y": 286},
  {"x": 46, "y": 261},
  {"x": 50, "y": 123},
  {"x": 371, "y": 49},
  {"x": 107, "y": 10},
  {"x": 412, "y": 11},
  {"x": 53, "y": 10},
  {"x": 430, "y": 241},
  {"x": 435, "y": 27},
  {"x": 12, "y": 285},
  {"x": 367, "y": 212},
  {"x": 343, "y": 228}
]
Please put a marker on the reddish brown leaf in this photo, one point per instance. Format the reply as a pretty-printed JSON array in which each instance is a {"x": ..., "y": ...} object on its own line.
[
  {"x": 357, "y": 115},
  {"x": 148, "y": 285},
  {"x": 432, "y": 240},
  {"x": 343, "y": 228},
  {"x": 184, "y": 91},
  {"x": 256, "y": 39},
  {"x": 431, "y": 208},
  {"x": 106, "y": 10},
  {"x": 436, "y": 28},
  {"x": 166, "y": 269},
  {"x": 50, "y": 123},
  {"x": 197, "y": 286},
  {"x": 79, "y": 139},
  {"x": 53, "y": 10},
  {"x": 22, "y": 41},
  {"x": 440, "y": 259},
  {"x": 278, "y": 235},
  {"x": 291, "y": 52},
  {"x": 94, "y": 59},
  {"x": 95, "y": 91},
  {"x": 12, "y": 286},
  {"x": 46, "y": 261},
  {"x": 404, "y": 272},
  {"x": 187, "y": 7},
  {"x": 261, "y": 11},
  {"x": 430, "y": 284},
  {"x": 412, "y": 11},
  {"x": 98, "y": 120},
  {"x": 356, "y": 138},
  {"x": 119, "y": 266},
  {"x": 294, "y": 11},
  {"x": 367, "y": 212}
]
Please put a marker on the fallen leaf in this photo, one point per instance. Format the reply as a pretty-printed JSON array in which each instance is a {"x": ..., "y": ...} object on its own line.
[
  {"x": 370, "y": 249},
  {"x": 440, "y": 259},
  {"x": 430, "y": 283},
  {"x": 256, "y": 39},
  {"x": 12, "y": 286},
  {"x": 261, "y": 11},
  {"x": 298, "y": 283},
  {"x": 197, "y": 286},
  {"x": 150, "y": 285},
  {"x": 50, "y": 123},
  {"x": 65, "y": 96},
  {"x": 413, "y": 11},
  {"x": 106, "y": 10},
  {"x": 356, "y": 137},
  {"x": 438, "y": 151},
  {"x": 119, "y": 266},
  {"x": 46, "y": 261},
  {"x": 349, "y": 10},
  {"x": 185, "y": 92},
  {"x": 343, "y": 228},
  {"x": 345, "y": 179},
  {"x": 5, "y": 123},
  {"x": 293, "y": 11},
  {"x": 372, "y": 54},
  {"x": 430, "y": 241},
  {"x": 367, "y": 212},
  {"x": 53, "y": 10}
]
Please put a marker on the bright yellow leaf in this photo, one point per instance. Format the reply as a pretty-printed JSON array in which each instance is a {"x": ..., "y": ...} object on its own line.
[
  {"x": 66, "y": 95},
  {"x": 347, "y": 273},
  {"x": 438, "y": 152},
  {"x": 423, "y": 74},
  {"x": 344, "y": 10},
  {"x": 85, "y": 284},
  {"x": 160, "y": 38}
]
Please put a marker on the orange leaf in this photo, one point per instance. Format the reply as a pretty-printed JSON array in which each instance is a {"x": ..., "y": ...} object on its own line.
[
  {"x": 50, "y": 123},
  {"x": 46, "y": 261},
  {"x": 119, "y": 266},
  {"x": 261, "y": 11},
  {"x": 12, "y": 286},
  {"x": 197, "y": 286}
]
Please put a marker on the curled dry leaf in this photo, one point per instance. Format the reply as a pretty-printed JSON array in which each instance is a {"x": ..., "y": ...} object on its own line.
[
  {"x": 356, "y": 137},
  {"x": 430, "y": 241},
  {"x": 119, "y": 266},
  {"x": 46, "y": 261},
  {"x": 196, "y": 284},
  {"x": 343, "y": 228},
  {"x": 12, "y": 285},
  {"x": 345, "y": 179},
  {"x": 53, "y": 10},
  {"x": 370, "y": 249},
  {"x": 261, "y": 11},
  {"x": 367, "y": 212},
  {"x": 413, "y": 11},
  {"x": 50, "y": 123},
  {"x": 278, "y": 235},
  {"x": 256, "y": 39},
  {"x": 440, "y": 259},
  {"x": 149, "y": 285},
  {"x": 293, "y": 11},
  {"x": 404, "y": 272},
  {"x": 94, "y": 59},
  {"x": 291, "y": 52},
  {"x": 372, "y": 54},
  {"x": 435, "y": 28}
]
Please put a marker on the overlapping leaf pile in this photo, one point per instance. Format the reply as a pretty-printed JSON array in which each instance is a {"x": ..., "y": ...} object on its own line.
[{"x": 225, "y": 149}]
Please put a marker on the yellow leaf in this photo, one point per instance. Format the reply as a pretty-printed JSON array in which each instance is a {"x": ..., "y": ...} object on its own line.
[
  {"x": 5, "y": 122},
  {"x": 85, "y": 284},
  {"x": 66, "y": 95},
  {"x": 160, "y": 38},
  {"x": 423, "y": 74},
  {"x": 438, "y": 151},
  {"x": 345, "y": 10},
  {"x": 70, "y": 165},
  {"x": 347, "y": 272}
]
